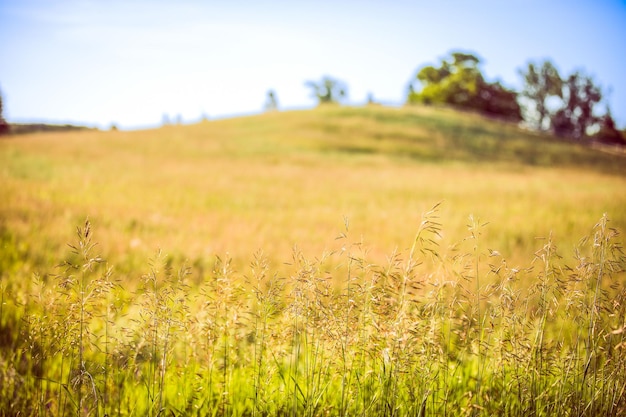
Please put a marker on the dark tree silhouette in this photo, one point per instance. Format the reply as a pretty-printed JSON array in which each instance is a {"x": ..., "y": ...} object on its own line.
[
  {"x": 608, "y": 132},
  {"x": 4, "y": 126}
]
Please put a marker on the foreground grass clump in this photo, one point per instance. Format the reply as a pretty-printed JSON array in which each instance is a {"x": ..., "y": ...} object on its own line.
[{"x": 434, "y": 331}]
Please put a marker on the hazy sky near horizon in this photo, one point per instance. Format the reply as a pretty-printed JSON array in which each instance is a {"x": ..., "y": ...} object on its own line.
[{"x": 130, "y": 62}]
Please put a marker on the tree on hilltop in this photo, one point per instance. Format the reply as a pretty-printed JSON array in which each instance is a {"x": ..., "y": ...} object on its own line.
[
  {"x": 576, "y": 116},
  {"x": 454, "y": 82},
  {"x": 4, "y": 126},
  {"x": 496, "y": 100},
  {"x": 542, "y": 83},
  {"x": 271, "y": 103},
  {"x": 458, "y": 82},
  {"x": 567, "y": 107},
  {"x": 328, "y": 90},
  {"x": 608, "y": 132}
]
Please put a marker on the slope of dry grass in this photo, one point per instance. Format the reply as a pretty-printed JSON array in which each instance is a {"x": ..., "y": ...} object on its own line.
[
  {"x": 298, "y": 275},
  {"x": 281, "y": 179}
]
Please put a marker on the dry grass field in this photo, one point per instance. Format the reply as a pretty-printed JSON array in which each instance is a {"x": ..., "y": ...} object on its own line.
[
  {"x": 276, "y": 180},
  {"x": 290, "y": 264}
]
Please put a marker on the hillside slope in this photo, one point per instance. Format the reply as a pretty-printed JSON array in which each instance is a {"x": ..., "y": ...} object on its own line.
[
  {"x": 281, "y": 264},
  {"x": 431, "y": 134},
  {"x": 276, "y": 180},
  {"x": 426, "y": 134}
]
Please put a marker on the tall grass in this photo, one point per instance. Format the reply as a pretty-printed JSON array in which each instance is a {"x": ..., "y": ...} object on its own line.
[{"x": 433, "y": 331}]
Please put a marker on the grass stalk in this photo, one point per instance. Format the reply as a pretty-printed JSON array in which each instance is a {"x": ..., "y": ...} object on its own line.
[{"x": 352, "y": 338}]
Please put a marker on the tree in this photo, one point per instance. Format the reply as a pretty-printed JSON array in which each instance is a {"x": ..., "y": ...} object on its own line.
[
  {"x": 575, "y": 117},
  {"x": 494, "y": 99},
  {"x": 541, "y": 84},
  {"x": 455, "y": 82},
  {"x": 328, "y": 90},
  {"x": 574, "y": 101},
  {"x": 459, "y": 82},
  {"x": 271, "y": 103},
  {"x": 4, "y": 126},
  {"x": 608, "y": 132}
]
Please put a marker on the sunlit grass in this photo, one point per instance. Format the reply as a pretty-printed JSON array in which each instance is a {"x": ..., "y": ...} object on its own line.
[
  {"x": 431, "y": 331},
  {"x": 267, "y": 266},
  {"x": 279, "y": 179}
]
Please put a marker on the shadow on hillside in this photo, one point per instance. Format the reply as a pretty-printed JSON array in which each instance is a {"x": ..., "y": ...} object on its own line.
[{"x": 436, "y": 135}]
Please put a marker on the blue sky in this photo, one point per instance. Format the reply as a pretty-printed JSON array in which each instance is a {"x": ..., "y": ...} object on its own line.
[{"x": 130, "y": 62}]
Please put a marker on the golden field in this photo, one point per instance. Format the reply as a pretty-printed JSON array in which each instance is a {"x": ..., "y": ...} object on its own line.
[
  {"x": 273, "y": 181},
  {"x": 337, "y": 261}
]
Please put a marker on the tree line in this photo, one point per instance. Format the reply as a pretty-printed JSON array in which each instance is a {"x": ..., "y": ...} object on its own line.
[{"x": 566, "y": 106}]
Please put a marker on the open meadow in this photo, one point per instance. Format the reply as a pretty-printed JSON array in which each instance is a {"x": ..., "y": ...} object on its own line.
[{"x": 336, "y": 261}]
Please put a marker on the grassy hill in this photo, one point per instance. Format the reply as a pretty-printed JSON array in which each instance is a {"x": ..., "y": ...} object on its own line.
[
  {"x": 279, "y": 179},
  {"x": 312, "y": 269},
  {"x": 442, "y": 135}
]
